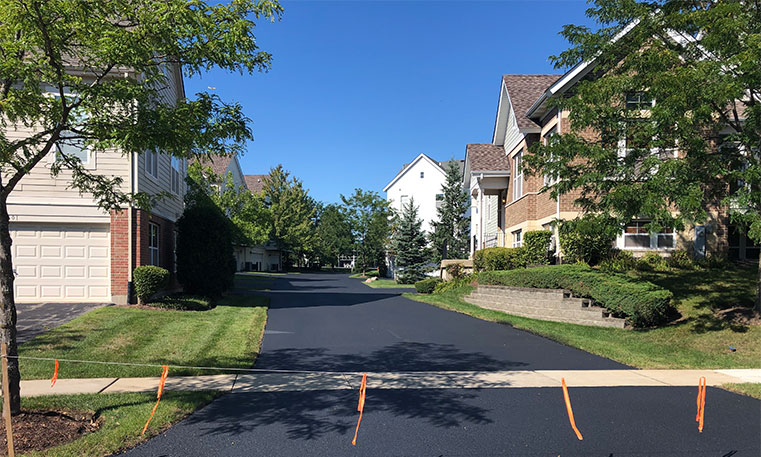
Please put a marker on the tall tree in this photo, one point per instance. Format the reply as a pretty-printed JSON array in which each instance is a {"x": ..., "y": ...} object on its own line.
[
  {"x": 92, "y": 74},
  {"x": 334, "y": 237},
  {"x": 292, "y": 211},
  {"x": 370, "y": 219},
  {"x": 410, "y": 246},
  {"x": 248, "y": 213},
  {"x": 676, "y": 104},
  {"x": 451, "y": 230}
]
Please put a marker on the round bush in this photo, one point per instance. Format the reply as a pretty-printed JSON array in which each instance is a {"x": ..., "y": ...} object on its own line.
[
  {"x": 427, "y": 286},
  {"x": 148, "y": 281},
  {"x": 588, "y": 239}
]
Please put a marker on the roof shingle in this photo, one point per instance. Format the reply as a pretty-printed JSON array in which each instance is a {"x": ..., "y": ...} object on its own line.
[
  {"x": 524, "y": 90},
  {"x": 487, "y": 157},
  {"x": 218, "y": 164},
  {"x": 255, "y": 183}
]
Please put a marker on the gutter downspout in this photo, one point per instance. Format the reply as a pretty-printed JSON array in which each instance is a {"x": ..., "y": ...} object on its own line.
[
  {"x": 557, "y": 210},
  {"x": 130, "y": 241}
]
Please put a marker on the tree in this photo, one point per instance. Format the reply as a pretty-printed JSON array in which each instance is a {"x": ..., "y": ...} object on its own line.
[
  {"x": 334, "y": 236},
  {"x": 369, "y": 216},
  {"x": 685, "y": 77},
  {"x": 410, "y": 245},
  {"x": 451, "y": 230},
  {"x": 293, "y": 212},
  {"x": 120, "y": 52},
  {"x": 248, "y": 213}
]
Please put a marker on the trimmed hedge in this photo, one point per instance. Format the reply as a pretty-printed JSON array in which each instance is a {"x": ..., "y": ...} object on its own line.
[
  {"x": 148, "y": 280},
  {"x": 497, "y": 259},
  {"x": 427, "y": 286},
  {"x": 642, "y": 303}
]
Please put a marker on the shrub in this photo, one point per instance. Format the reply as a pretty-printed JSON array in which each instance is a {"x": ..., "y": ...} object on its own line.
[
  {"x": 537, "y": 247},
  {"x": 205, "y": 262},
  {"x": 148, "y": 281},
  {"x": 183, "y": 302},
  {"x": 588, "y": 239},
  {"x": 427, "y": 286},
  {"x": 713, "y": 261},
  {"x": 371, "y": 273},
  {"x": 453, "y": 284},
  {"x": 495, "y": 259},
  {"x": 680, "y": 259},
  {"x": 642, "y": 303},
  {"x": 455, "y": 270},
  {"x": 619, "y": 262}
]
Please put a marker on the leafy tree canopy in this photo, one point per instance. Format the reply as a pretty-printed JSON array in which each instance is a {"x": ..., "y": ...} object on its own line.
[{"x": 370, "y": 219}]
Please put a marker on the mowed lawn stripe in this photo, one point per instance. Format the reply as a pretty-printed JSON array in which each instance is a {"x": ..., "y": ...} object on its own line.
[{"x": 228, "y": 335}]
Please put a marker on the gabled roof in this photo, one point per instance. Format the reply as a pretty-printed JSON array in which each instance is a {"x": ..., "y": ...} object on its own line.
[
  {"x": 523, "y": 91},
  {"x": 218, "y": 164},
  {"x": 406, "y": 166},
  {"x": 255, "y": 183},
  {"x": 486, "y": 157}
]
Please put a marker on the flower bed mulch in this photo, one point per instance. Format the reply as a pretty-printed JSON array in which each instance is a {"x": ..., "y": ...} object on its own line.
[{"x": 40, "y": 430}]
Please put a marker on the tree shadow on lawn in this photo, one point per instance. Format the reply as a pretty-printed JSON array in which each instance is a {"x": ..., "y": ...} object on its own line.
[{"x": 312, "y": 414}]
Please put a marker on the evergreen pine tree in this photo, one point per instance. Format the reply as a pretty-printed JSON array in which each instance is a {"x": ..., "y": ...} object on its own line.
[
  {"x": 412, "y": 253},
  {"x": 450, "y": 236}
]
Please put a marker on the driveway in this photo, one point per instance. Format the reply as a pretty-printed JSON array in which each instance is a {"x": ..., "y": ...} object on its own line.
[
  {"x": 334, "y": 323},
  {"x": 37, "y": 318}
]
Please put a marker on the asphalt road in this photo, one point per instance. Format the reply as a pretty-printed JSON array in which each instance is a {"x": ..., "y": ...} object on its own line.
[{"x": 331, "y": 322}]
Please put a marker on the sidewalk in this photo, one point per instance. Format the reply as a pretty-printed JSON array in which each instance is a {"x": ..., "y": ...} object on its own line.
[{"x": 285, "y": 382}]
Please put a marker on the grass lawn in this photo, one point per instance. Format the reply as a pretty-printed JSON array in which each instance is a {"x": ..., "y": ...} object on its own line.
[
  {"x": 123, "y": 416},
  {"x": 749, "y": 389},
  {"x": 228, "y": 335},
  {"x": 388, "y": 284},
  {"x": 700, "y": 339}
]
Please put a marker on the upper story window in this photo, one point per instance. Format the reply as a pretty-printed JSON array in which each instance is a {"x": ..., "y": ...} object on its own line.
[
  {"x": 153, "y": 244},
  {"x": 152, "y": 163},
  {"x": 550, "y": 179},
  {"x": 403, "y": 200},
  {"x": 71, "y": 146},
  {"x": 176, "y": 172},
  {"x": 637, "y": 236},
  {"x": 422, "y": 174},
  {"x": 639, "y": 100},
  {"x": 518, "y": 179}
]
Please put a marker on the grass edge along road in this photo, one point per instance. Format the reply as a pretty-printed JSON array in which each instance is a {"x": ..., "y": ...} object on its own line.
[
  {"x": 228, "y": 335},
  {"x": 123, "y": 416},
  {"x": 387, "y": 284}
]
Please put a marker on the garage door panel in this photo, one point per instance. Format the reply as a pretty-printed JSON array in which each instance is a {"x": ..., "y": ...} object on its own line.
[{"x": 61, "y": 262}]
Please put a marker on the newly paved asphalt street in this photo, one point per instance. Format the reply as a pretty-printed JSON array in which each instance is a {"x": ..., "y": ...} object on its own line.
[{"x": 331, "y": 322}]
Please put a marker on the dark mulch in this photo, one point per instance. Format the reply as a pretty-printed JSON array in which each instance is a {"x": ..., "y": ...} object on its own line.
[{"x": 40, "y": 430}]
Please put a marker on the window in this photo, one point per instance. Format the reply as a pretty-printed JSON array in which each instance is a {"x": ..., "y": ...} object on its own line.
[
  {"x": 422, "y": 174},
  {"x": 70, "y": 146},
  {"x": 551, "y": 229},
  {"x": 152, "y": 163},
  {"x": 549, "y": 179},
  {"x": 404, "y": 200},
  {"x": 439, "y": 197},
  {"x": 153, "y": 244},
  {"x": 176, "y": 172},
  {"x": 637, "y": 236},
  {"x": 638, "y": 101},
  {"x": 517, "y": 238},
  {"x": 518, "y": 179}
]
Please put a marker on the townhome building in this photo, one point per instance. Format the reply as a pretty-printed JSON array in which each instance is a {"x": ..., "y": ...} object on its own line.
[
  {"x": 420, "y": 181},
  {"x": 486, "y": 177},
  {"x": 67, "y": 249}
]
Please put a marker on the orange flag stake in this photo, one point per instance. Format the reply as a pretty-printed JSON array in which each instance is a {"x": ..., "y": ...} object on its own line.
[
  {"x": 570, "y": 410},
  {"x": 164, "y": 374},
  {"x": 360, "y": 406},
  {"x": 55, "y": 375},
  {"x": 701, "y": 403}
]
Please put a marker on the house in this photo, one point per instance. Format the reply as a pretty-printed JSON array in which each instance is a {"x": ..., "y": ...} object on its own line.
[
  {"x": 486, "y": 178},
  {"x": 264, "y": 257},
  {"x": 421, "y": 181},
  {"x": 66, "y": 249}
]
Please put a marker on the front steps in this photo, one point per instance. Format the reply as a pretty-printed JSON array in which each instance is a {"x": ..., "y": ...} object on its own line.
[{"x": 544, "y": 304}]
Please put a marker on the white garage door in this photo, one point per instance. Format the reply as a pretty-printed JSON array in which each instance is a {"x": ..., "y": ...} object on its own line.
[{"x": 61, "y": 263}]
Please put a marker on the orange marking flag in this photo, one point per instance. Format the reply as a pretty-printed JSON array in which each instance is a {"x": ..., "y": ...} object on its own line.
[
  {"x": 701, "y": 403},
  {"x": 570, "y": 411},
  {"x": 360, "y": 406},
  {"x": 55, "y": 375},
  {"x": 164, "y": 374}
]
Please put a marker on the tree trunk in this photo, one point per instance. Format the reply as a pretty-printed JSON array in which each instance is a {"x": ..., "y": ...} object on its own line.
[
  {"x": 8, "y": 308},
  {"x": 758, "y": 288}
]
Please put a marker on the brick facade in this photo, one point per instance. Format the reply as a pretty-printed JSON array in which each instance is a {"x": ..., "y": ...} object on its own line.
[{"x": 120, "y": 249}]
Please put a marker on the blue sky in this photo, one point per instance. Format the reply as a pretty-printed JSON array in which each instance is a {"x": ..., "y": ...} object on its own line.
[{"x": 357, "y": 88}]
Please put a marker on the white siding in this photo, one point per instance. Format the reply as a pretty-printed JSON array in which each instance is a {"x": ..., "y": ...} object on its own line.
[{"x": 422, "y": 190}]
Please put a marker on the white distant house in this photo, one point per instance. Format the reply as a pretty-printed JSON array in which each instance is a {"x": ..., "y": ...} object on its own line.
[{"x": 420, "y": 180}]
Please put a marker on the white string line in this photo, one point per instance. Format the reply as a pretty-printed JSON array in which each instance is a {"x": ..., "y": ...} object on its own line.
[{"x": 254, "y": 370}]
